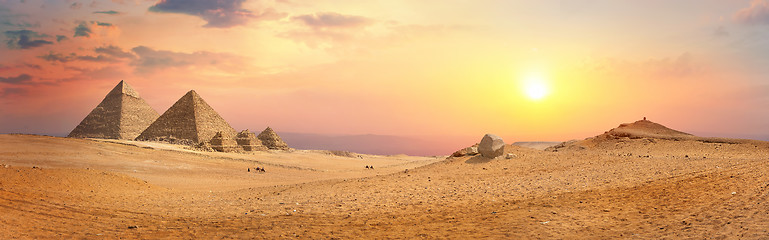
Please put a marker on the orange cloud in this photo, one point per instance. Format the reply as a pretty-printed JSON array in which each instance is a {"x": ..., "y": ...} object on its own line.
[{"x": 757, "y": 13}]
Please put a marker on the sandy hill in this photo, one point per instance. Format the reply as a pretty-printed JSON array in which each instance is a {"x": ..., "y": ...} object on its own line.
[
  {"x": 648, "y": 188},
  {"x": 645, "y": 129},
  {"x": 643, "y": 132}
]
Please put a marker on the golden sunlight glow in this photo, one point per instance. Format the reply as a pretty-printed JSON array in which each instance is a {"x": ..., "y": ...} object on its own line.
[{"x": 535, "y": 87}]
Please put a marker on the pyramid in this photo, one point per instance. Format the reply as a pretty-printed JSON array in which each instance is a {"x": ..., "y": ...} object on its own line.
[
  {"x": 271, "y": 140},
  {"x": 123, "y": 114},
  {"x": 248, "y": 141},
  {"x": 190, "y": 118},
  {"x": 220, "y": 142}
]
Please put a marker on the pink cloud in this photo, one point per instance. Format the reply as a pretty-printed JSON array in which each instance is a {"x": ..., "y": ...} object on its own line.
[{"x": 757, "y": 13}]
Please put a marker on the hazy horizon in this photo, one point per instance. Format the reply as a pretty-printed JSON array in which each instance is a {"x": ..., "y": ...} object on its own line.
[{"x": 549, "y": 70}]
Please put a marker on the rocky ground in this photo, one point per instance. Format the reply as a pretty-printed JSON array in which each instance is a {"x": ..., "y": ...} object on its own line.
[{"x": 608, "y": 187}]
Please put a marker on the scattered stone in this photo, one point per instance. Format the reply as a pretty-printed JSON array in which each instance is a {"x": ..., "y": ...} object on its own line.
[
  {"x": 472, "y": 151},
  {"x": 491, "y": 146},
  {"x": 468, "y": 151},
  {"x": 133, "y": 227},
  {"x": 510, "y": 156}
]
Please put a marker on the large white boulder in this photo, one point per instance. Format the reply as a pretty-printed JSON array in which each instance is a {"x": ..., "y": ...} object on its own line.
[{"x": 491, "y": 146}]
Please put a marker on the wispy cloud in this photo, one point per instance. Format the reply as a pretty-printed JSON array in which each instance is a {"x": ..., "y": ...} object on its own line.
[
  {"x": 21, "y": 79},
  {"x": 332, "y": 20},
  {"x": 7, "y": 92},
  {"x": 757, "y": 13},
  {"x": 110, "y": 12},
  {"x": 22, "y": 39},
  {"x": 76, "y": 5},
  {"x": 149, "y": 60},
  {"x": 82, "y": 30},
  {"x": 114, "y": 51},
  {"x": 218, "y": 14}
]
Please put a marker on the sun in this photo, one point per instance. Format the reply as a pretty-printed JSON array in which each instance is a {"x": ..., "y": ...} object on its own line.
[{"x": 535, "y": 87}]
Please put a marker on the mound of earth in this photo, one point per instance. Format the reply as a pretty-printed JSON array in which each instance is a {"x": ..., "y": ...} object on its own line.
[
  {"x": 645, "y": 129},
  {"x": 642, "y": 131}
]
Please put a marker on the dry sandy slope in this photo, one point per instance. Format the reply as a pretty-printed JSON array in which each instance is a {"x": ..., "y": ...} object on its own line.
[
  {"x": 647, "y": 188},
  {"x": 176, "y": 167}
]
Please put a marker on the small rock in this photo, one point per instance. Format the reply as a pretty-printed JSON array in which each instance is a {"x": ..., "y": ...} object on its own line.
[
  {"x": 132, "y": 227},
  {"x": 472, "y": 151},
  {"x": 510, "y": 156}
]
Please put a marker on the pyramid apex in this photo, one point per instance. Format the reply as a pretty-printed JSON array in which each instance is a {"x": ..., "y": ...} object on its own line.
[{"x": 123, "y": 88}]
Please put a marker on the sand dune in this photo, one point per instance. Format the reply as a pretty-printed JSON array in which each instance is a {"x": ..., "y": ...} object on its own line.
[{"x": 634, "y": 186}]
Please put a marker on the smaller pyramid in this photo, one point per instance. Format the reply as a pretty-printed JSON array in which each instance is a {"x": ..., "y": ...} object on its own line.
[
  {"x": 271, "y": 140},
  {"x": 122, "y": 114},
  {"x": 248, "y": 141},
  {"x": 222, "y": 143},
  {"x": 189, "y": 119}
]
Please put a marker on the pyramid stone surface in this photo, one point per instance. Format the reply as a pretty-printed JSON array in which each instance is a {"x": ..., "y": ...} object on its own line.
[
  {"x": 222, "y": 143},
  {"x": 122, "y": 114},
  {"x": 190, "y": 118},
  {"x": 271, "y": 140},
  {"x": 248, "y": 141}
]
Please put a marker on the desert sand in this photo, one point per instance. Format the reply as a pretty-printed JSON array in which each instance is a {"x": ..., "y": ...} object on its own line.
[{"x": 635, "y": 181}]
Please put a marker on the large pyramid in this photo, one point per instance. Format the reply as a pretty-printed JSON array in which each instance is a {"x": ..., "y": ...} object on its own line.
[
  {"x": 121, "y": 115},
  {"x": 190, "y": 118}
]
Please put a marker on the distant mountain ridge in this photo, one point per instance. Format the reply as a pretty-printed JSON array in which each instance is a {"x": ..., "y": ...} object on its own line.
[{"x": 369, "y": 144}]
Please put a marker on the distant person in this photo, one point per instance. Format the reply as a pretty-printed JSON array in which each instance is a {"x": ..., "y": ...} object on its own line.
[{"x": 249, "y": 169}]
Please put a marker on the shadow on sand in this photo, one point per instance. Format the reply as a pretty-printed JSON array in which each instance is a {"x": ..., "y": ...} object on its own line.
[{"x": 478, "y": 159}]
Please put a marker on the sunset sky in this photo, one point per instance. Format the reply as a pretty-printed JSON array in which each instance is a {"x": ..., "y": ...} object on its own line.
[{"x": 545, "y": 70}]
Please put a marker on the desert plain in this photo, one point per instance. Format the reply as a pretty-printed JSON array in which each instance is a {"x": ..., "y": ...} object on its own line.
[{"x": 639, "y": 180}]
